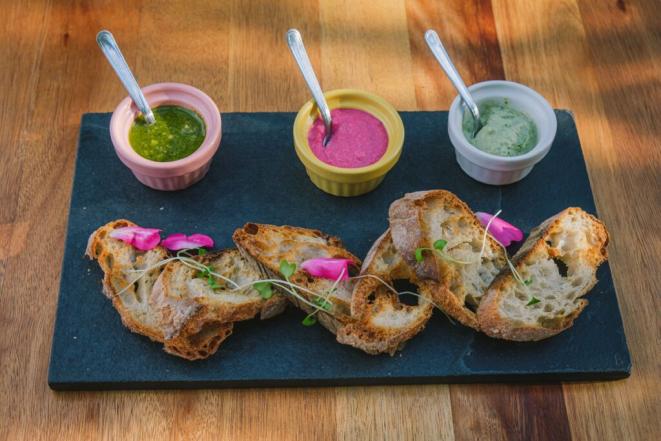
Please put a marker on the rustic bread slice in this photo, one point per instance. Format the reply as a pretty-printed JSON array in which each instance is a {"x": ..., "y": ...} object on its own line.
[
  {"x": 190, "y": 308},
  {"x": 128, "y": 292},
  {"x": 383, "y": 324},
  {"x": 420, "y": 219},
  {"x": 268, "y": 245},
  {"x": 558, "y": 265}
]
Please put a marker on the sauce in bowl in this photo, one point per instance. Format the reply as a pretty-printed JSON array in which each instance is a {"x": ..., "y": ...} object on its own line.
[
  {"x": 177, "y": 133},
  {"x": 505, "y": 131},
  {"x": 359, "y": 139}
]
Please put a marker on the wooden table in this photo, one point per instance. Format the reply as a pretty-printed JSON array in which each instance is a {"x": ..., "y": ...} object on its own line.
[{"x": 601, "y": 59}]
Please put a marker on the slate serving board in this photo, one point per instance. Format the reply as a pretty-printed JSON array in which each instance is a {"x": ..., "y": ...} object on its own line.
[{"x": 256, "y": 177}]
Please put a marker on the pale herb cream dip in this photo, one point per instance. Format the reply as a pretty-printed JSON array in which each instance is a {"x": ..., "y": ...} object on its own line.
[{"x": 505, "y": 131}]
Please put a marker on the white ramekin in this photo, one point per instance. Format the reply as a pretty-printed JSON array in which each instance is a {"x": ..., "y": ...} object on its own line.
[{"x": 499, "y": 170}]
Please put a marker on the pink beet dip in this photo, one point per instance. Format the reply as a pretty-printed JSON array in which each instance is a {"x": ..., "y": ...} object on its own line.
[{"x": 359, "y": 139}]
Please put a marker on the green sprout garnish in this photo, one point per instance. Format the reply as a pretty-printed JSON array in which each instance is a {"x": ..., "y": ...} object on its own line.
[
  {"x": 533, "y": 301},
  {"x": 211, "y": 280},
  {"x": 287, "y": 269},
  {"x": 206, "y": 274},
  {"x": 201, "y": 251},
  {"x": 264, "y": 289},
  {"x": 322, "y": 303},
  {"x": 440, "y": 244},
  {"x": 309, "y": 320},
  {"x": 528, "y": 282}
]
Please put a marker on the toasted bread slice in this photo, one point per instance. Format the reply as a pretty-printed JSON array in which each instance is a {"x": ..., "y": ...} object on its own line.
[
  {"x": 420, "y": 219},
  {"x": 120, "y": 263},
  {"x": 268, "y": 245},
  {"x": 558, "y": 265},
  {"x": 382, "y": 324},
  {"x": 130, "y": 293},
  {"x": 191, "y": 309}
]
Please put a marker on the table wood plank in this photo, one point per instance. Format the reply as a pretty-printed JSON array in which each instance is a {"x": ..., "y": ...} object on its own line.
[
  {"x": 624, "y": 38},
  {"x": 600, "y": 59},
  {"x": 468, "y": 32},
  {"x": 365, "y": 46},
  {"x": 394, "y": 413},
  {"x": 509, "y": 412}
]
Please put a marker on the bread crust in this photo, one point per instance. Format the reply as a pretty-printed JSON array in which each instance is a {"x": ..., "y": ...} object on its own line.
[
  {"x": 410, "y": 231},
  {"x": 268, "y": 244},
  {"x": 495, "y": 324},
  {"x": 199, "y": 339},
  {"x": 371, "y": 298}
]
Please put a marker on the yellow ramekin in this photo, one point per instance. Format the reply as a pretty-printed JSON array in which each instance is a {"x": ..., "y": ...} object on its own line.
[{"x": 341, "y": 181}]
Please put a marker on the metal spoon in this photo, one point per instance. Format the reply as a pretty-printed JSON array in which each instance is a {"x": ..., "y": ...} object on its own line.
[
  {"x": 110, "y": 49},
  {"x": 434, "y": 43},
  {"x": 297, "y": 49}
]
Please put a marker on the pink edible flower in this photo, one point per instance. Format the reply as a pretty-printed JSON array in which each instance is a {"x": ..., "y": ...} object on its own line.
[
  {"x": 143, "y": 239},
  {"x": 179, "y": 241},
  {"x": 328, "y": 268},
  {"x": 502, "y": 231}
]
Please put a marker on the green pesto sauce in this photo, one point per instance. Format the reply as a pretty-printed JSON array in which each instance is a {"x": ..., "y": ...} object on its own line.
[
  {"x": 505, "y": 131},
  {"x": 177, "y": 133}
]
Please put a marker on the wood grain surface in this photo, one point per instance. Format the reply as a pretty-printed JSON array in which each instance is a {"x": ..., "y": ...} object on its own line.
[{"x": 601, "y": 59}]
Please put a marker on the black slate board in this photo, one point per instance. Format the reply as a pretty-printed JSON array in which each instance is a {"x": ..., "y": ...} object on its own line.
[{"x": 257, "y": 177}]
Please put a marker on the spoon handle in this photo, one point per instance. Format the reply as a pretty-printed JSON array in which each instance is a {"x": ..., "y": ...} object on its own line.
[
  {"x": 297, "y": 49},
  {"x": 110, "y": 49},
  {"x": 434, "y": 43}
]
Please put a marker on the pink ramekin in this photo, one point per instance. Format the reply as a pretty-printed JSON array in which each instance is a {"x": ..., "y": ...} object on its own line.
[{"x": 172, "y": 175}]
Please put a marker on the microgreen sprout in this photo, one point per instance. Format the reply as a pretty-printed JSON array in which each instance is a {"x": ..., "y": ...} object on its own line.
[
  {"x": 201, "y": 251},
  {"x": 212, "y": 282},
  {"x": 528, "y": 282},
  {"x": 264, "y": 289},
  {"x": 322, "y": 302},
  {"x": 287, "y": 269},
  {"x": 533, "y": 301},
  {"x": 309, "y": 320},
  {"x": 440, "y": 244},
  {"x": 207, "y": 273}
]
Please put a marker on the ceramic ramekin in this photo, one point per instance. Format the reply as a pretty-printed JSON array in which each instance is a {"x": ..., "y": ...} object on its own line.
[
  {"x": 494, "y": 169},
  {"x": 341, "y": 181},
  {"x": 172, "y": 175}
]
